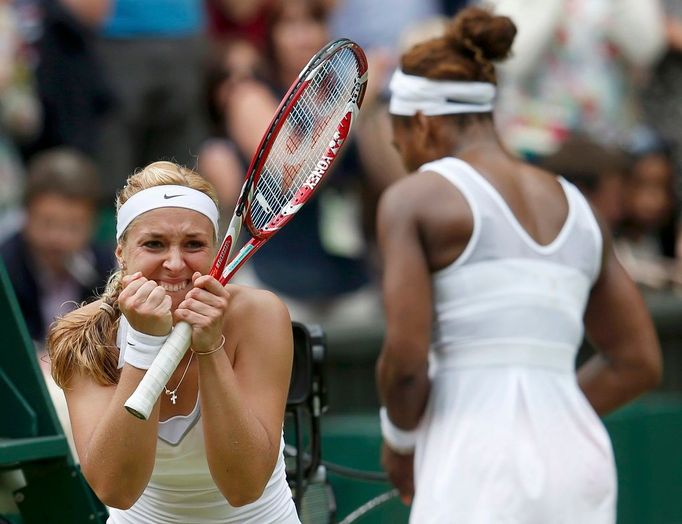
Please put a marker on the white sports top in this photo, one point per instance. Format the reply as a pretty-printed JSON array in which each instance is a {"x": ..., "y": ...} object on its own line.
[
  {"x": 182, "y": 491},
  {"x": 507, "y": 435},
  {"x": 536, "y": 294}
]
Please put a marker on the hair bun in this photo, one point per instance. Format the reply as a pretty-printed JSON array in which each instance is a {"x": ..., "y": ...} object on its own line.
[{"x": 477, "y": 31}]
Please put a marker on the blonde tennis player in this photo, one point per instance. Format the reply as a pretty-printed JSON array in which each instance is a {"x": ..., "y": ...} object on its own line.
[{"x": 212, "y": 450}]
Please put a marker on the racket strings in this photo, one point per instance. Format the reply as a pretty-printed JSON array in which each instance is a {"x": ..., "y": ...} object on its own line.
[{"x": 304, "y": 137}]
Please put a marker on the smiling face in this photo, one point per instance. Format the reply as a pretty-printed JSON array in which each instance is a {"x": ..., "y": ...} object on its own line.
[{"x": 168, "y": 245}]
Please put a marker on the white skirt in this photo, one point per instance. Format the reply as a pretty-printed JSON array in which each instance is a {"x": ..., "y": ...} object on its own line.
[{"x": 513, "y": 445}]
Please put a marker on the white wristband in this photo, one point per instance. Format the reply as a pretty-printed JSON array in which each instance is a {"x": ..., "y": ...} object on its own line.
[
  {"x": 141, "y": 348},
  {"x": 399, "y": 440}
]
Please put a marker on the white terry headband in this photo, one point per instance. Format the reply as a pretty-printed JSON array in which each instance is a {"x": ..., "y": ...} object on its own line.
[
  {"x": 165, "y": 196},
  {"x": 410, "y": 94}
]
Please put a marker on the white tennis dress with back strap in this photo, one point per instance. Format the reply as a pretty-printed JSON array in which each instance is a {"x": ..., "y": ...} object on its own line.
[{"x": 507, "y": 435}]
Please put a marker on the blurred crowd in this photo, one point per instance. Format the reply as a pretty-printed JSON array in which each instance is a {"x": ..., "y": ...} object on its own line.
[{"x": 91, "y": 90}]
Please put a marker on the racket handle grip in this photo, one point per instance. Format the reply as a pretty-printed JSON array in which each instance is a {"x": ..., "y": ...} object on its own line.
[{"x": 142, "y": 401}]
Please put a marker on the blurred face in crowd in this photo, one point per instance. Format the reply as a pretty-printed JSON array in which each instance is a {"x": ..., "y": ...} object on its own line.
[
  {"x": 241, "y": 59},
  {"x": 57, "y": 227},
  {"x": 649, "y": 193},
  {"x": 607, "y": 198},
  {"x": 297, "y": 34}
]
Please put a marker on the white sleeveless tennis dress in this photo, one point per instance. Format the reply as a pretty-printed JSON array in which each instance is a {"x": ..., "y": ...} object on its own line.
[
  {"x": 507, "y": 435},
  {"x": 182, "y": 491}
]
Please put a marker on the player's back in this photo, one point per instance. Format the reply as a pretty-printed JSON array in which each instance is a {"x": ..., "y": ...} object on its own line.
[
  {"x": 505, "y": 410},
  {"x": 507, "y": 289}
]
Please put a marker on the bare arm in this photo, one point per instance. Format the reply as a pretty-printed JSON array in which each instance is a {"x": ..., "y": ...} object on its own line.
[
  {"x": 111, "y": 444},
  {"x": 243, "y": 401},
  {"x": 250, "y": 108},
  {"x": 402, "y": 368},
  {"x": 220, "y": 164},
  {"x": 617, "y": 322}
]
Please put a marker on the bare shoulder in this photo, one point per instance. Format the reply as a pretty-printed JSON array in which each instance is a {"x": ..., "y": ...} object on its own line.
[
  {"x": 252, "y": 308},
  {"x": 427, "y": 209},
  {"x": 417, "y": 193},
  {"x": 259, "y": 326},
  {"x": 414, "y": 186},
  {"x": 245, "y": 300}
]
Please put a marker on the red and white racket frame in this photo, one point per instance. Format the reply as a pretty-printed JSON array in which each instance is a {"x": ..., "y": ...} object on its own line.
[{"x": 143, "y": 399}]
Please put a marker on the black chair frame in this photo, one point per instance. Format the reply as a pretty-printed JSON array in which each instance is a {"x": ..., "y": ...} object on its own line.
[{"x": 306, "y": 403}]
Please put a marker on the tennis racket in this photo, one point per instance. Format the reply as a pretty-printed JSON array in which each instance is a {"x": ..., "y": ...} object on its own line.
[{"x": 296, "y": 152}]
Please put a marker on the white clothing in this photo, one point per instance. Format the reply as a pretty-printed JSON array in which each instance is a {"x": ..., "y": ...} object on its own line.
[
  {"x": 507, "y": 435},
  {"x": 182, "y": 491}
]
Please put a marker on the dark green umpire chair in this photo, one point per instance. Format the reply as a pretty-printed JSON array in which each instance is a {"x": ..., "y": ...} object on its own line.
[{"x": 40, "y": 483}]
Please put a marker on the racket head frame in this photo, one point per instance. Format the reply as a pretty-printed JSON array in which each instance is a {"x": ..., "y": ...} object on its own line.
[
  {"x": 142, "y": 401},
  {"x": 283, "y": 110},
  {"x": 223, "y": 255}
]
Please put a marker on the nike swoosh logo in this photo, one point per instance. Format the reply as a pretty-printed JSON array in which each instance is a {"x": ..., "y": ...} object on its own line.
[
  {"x": 171, "y": 196},
  {"x": 131, "y": 344}
]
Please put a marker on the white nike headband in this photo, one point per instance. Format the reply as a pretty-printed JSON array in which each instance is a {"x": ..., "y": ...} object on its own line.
[
  {"x": 410, "y": 93},
  {"x": 165, "y": 196}
]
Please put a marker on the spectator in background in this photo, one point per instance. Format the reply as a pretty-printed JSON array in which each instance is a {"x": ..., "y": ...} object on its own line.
[
  {"x": 73, "y": 93},
  {"x": 377, "y": 26},
  {"x": 575, "y": 67},
  {"x": 242, "y": 20},
  {"x": 646, "y": 237},
  {"x": 380, "y": 28},
  {"x": 153, "y": 54},
  {"x": 220, "y": 161},
  {"x": 19, "y": 115},
  {"x": 598, "y": 171},
  {"x": 238, "y": 37},
  {"x": 373, "y": 129},
  {"x": 662, "y": 97},
  {"x": 52, "y": 261},
  {"x": 318, "y": 264}
]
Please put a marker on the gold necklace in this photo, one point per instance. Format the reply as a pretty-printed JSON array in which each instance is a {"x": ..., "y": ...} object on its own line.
[{"x": 171, "y": 393}]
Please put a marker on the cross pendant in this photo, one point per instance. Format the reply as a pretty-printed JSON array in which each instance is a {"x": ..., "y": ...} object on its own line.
[{"x": 173, "y": 397}]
